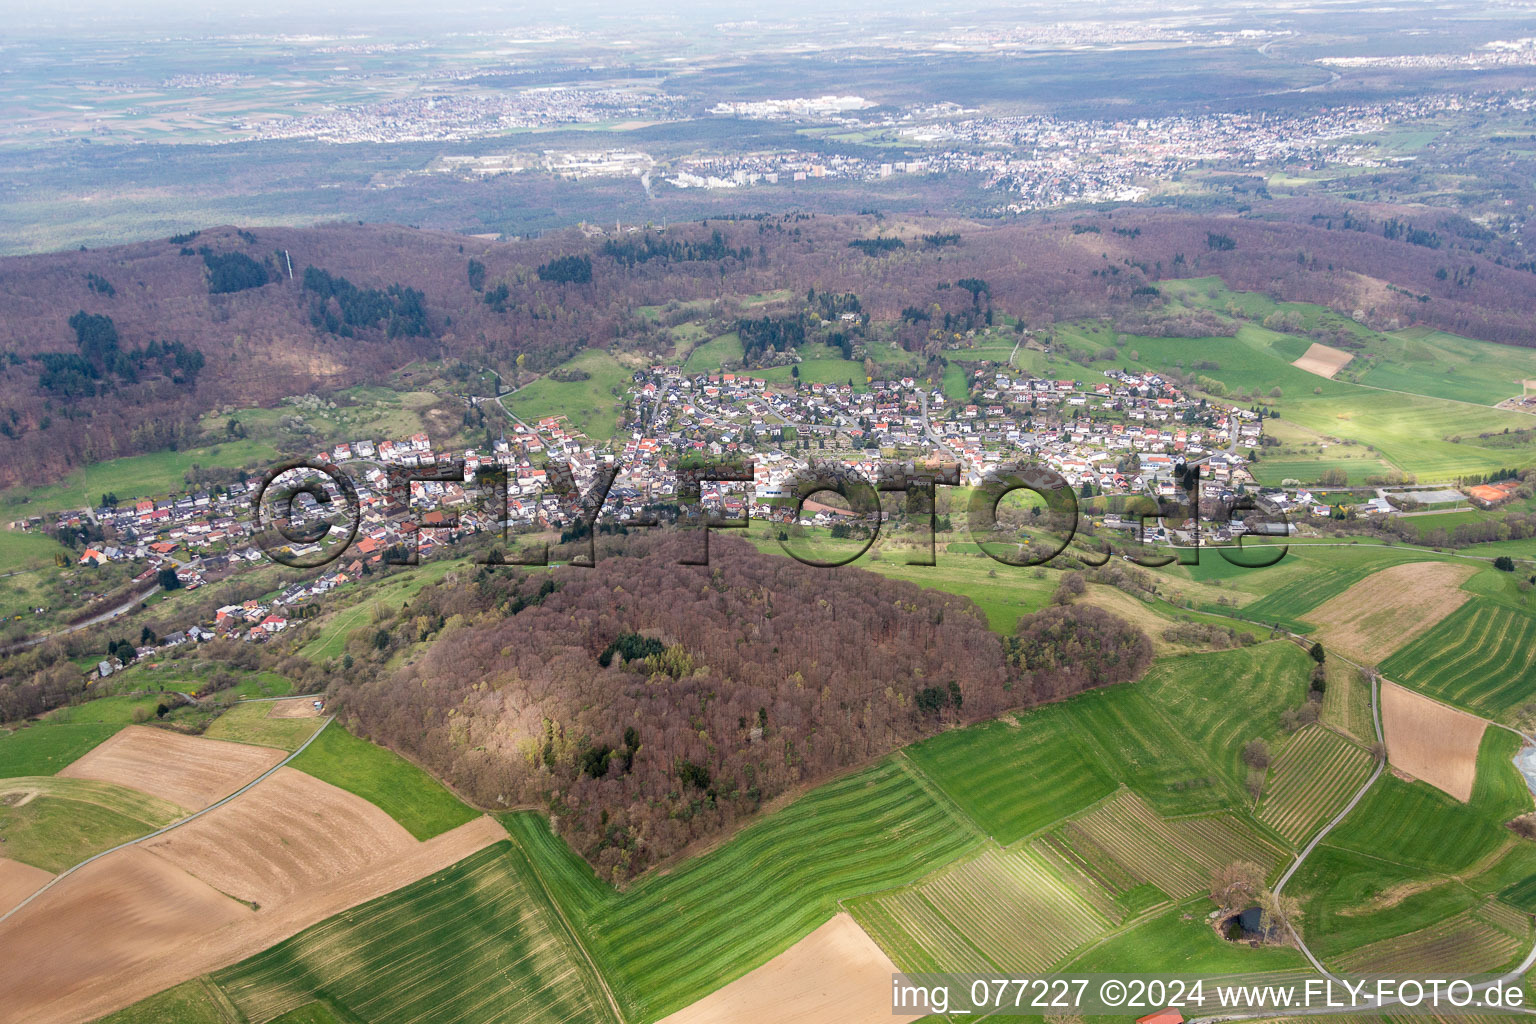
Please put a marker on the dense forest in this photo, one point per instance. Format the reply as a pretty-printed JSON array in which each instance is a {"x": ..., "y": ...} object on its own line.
[
  {"x": 647, "y": 704},
  {"x": 371, "y": 299}
]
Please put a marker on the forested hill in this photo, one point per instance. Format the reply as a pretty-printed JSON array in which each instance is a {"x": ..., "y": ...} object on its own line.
[
  {"x": 120, "y": 351},
  {"x": 647, "y": 704}
]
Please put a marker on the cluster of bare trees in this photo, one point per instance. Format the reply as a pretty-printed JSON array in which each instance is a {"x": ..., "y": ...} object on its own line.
[
  {"x": 647, "y": 704},
  {"x": 259, "y": 344}
]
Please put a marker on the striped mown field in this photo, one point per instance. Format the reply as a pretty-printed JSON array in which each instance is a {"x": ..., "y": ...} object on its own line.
[
  {"x": 445, "y": 949},
  {"x": 1480, "y": 657},
  {"x": 674, "y": 937}
]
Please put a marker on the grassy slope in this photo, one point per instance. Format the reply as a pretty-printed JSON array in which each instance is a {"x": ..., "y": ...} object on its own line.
[
  {"x": 380, "y": 776},
  {"x": 136, "y": 476},
  {"x": 64, "y": 821},
  {"x": 1256, "y": 685},
  {"x": 187, "y": 1003},
  {"x": 1017, "y": 775},
  {"x": 1409, "y": 856}
]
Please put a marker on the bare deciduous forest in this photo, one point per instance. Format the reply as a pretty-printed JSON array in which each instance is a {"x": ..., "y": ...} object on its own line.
[
  {"x": 647, "y": 704},
  {"x": 196, "y": 323}
]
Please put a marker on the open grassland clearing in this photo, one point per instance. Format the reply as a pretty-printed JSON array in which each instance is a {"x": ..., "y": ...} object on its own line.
[
  {"x": 1418, "y": 360},
  {"x": 406, "y": 793},
  {"x": 819, "y": 364},
  {"x": 1017, "y": 775},
  {"x": 186, "y": 770},
  {"x": 27, "y": 549},
  {"x": 279, "y": 723},
  {"x": 590, "y": 405},
  {"x": 713, "y": 355},
  {"x": 1411, "y": 431},
  {"x": 673, "y": 937},
  {"x": 1003, "y": 593},
  {"x": 1481, "y": 657},
  {"x": 1431, "y": 741},
  {"x": 1314, "y": 776},
  {"x": 834, "y": 974},
  {"x": 54, "y": 823},
  {"x": 1430, "y": 362},
  {"x": 477, "y": 938},
  {"x": 1388, "y": 609}
]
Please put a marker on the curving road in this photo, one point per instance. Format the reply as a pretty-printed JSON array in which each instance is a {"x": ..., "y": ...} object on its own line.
[{"x": 1517, "y": 974}]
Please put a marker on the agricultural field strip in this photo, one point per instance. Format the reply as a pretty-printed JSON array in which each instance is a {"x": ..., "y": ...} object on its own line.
[
  {"x": 571, "y": 933},
  {"x": 1010, "y": 907},
  {"x": 1078, "y": 875},
  {"x": 667, "y": 940},
  {"x": 403, "y": 979},
  {"x": 175, "y": 824},
  {"x": 1314, "y": 774},
  {"x": 915, "y": 934},
  {"x": 1479, "y": 658},
  {"x": 1465, "y": 942},
  {"x": 1177, "y": 855}
]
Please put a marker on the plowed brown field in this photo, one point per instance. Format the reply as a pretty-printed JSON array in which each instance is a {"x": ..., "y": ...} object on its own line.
[
  {"x": 133, "y": 923},
  {"x": 1387, "y": 609},
  {"x": 18, "y": 881},
  {"x": 186, "y": 770},
  {"x": 835, "y": 975},
  {"x": 1323, "y": 360},
  {"x": 1431, "y": 741},
  {"x": 293, "y": 833}
]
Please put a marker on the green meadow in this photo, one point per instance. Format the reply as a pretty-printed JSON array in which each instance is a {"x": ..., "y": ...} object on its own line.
[
  {"x": 406, "y": 793},
  {"x": 591, "y": 406}
]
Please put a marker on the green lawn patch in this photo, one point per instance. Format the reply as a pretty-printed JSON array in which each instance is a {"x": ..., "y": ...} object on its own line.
[
  {"x": 43, "y": 748},
  {"x": 382, "y": 777}
]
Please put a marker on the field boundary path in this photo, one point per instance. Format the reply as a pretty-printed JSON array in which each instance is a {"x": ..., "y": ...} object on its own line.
[{"x": 173, "y": 825}]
